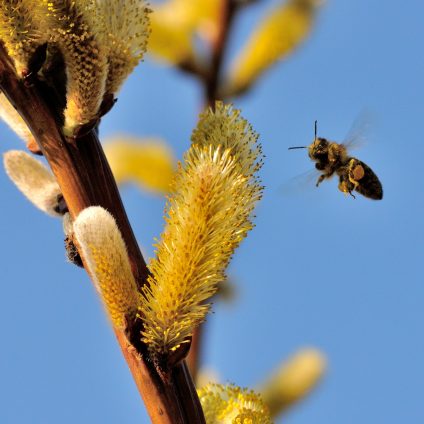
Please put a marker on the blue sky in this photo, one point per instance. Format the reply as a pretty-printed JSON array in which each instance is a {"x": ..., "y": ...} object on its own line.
[{"x": 320, "y": 269}]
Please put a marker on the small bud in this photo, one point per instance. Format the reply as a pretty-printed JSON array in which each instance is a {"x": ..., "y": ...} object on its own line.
[
  {"x": 103, "y": 250},
  {"x": 34, "y": 180}
]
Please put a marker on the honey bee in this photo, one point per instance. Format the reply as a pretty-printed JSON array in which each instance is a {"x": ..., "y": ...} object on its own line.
[{"x": 354, "y": 175}]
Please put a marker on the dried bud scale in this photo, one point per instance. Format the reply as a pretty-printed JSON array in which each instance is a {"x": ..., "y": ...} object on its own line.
[{"x": 72, "y": 253}]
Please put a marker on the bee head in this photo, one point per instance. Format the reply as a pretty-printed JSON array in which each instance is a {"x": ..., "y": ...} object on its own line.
[{"x": 318, "y": 149}]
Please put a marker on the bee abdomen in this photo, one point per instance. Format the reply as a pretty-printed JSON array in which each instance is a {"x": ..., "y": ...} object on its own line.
[{"x": 365, "y": 180}]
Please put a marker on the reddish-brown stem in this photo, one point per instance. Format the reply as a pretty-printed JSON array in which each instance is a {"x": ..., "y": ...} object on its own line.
[
  {"x": 85, "y": 179},
  {"x": 228, "y": 9},
  {"x": 195, "y": 354}
]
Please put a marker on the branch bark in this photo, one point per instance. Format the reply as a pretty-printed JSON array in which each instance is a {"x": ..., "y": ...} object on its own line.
[{"x": 228, "y": 10}]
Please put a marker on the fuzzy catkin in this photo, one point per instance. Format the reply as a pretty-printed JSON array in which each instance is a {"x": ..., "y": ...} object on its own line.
[
  {"x": 75, "y": 27},
  {"x": 34, "y": 180},
  {"x": 209, "y": 214},
  {"x": 293, "y": 380},
  {"x": 275, "y": 37},
  {"x": 20, "y": 32},
  {"x": 104, "y": 252},
  {"x": 124, "y": 36},
  {"x": 12, "y": 118},
  {"x": 225, "y": 404}
]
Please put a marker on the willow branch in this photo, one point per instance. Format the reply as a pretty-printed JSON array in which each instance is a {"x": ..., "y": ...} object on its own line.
[
  {"x": 85, "y": 179},
  {"x": 228, "y": 9}
]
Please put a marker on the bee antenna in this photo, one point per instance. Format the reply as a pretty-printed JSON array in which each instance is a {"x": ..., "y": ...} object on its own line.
[
  {"x": 298, "y": 147},
  {"x": 316, "y": 125}
]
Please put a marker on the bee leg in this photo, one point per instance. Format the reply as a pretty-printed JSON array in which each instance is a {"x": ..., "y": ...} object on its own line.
[
  {"x": 346, "y": 186},
  {"x": 321, "y": 178},
  {"x": 356, "y": 173}
]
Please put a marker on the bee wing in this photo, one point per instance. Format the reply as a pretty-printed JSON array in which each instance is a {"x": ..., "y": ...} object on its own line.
[
  {"x": 300, "y": 183},
  {"x": 358, "y": 134}
]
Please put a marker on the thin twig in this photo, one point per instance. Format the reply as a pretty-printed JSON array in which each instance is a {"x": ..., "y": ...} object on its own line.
[
  {"x": 195, "y": 68},
  {"x": 228, "y": 9},
  {"x": 195, "y": 354}
]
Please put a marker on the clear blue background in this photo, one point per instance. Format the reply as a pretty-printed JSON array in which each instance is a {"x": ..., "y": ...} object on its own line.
[{"x": 320, "y": 269}]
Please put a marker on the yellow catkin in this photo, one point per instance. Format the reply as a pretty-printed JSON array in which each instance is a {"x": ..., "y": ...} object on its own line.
[
  {"x": 175, "y": 24},
  {"x": 104, "y": 252},
  {"x": 210, "y": 213},
  {"x": 125, "y": 36},
  {"x": 147, "y": 162},
  {"x": 293, "y": 380},
  {"x": 20, "y": 32},
  {"x": 280, "y": 32},
  {"x": 34, "y": 180},
  {"x": 75, "y": 27},
  {"x": 229, "y": 404}
]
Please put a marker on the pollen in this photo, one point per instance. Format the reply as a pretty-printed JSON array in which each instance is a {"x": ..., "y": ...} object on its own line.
[
  {"x": 20, "y": 32},
  {"x": 208, "y": 215},
  {"x": 124, "y": 35},
  {"x": 224, "y": 404},
  {"x": 74, "y": 27}
]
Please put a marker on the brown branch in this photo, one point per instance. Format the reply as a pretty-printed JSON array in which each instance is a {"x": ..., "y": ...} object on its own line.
[
  {"x": 194, "y": 357},
  {"x": 194, "y": 67},
  {"x": 85, "y": 178},
  {"x": 228, "y": 9}
]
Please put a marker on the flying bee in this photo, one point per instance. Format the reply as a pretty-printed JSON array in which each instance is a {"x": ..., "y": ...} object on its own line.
[{"x": 354, "y": 175}]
